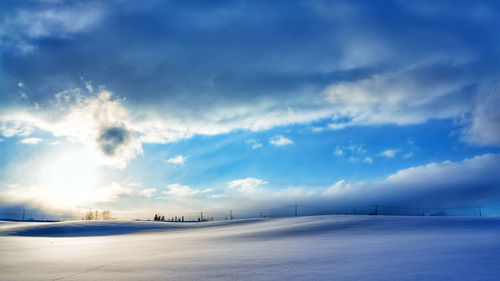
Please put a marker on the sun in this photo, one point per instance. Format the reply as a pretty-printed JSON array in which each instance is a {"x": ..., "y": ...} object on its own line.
[{"x": 70, "y": 177}]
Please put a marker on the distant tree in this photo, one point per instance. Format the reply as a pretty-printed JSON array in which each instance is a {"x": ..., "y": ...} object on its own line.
[
  {"x": 106, "y": 215},
  {"x": 182, "y": 218},
  {"x": 96, "y": 215},
  {"x": 156, "y": 217},
  {"x": 162, "y": 218},
  {"x": 89, "y": 216}
]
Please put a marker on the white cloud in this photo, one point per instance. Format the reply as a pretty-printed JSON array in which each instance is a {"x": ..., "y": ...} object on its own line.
[
  {"x": 180, "y": 190},
  {"x": 408, "y": 155},
  {"x": 338, "y": 188},
  {"x": 352, "y": 149},
  {"x": 390, "y": 153},
  {"x": 465, "y": 182},
  {"x": 88, "y": 85},
  {"x": 247, "y": 185},
  {"x": 171, "y": 126},
  {"x": 16, "y": 128},
  {"x": 99, "y": 122},
  {"x": 368, "y": 160},
  {"x": 402, "y": 97},
  {"x": 148, "y": 192},
  {"x": 110, "y": 193},
  {"x": 412, "y": 96},
  {"x": 280, "y": 140},
  {"x": 356, "y": 148},
  {"x": 217, "y": 196},
  {"x": 255, "y": 144},
  {"x": 31, "y": 140},
  {"x": 482, "y": 127},
  {"x": 177, "y": 160}
]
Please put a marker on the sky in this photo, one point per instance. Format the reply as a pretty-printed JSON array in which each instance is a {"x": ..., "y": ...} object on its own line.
[{"x": 177, "y": 106}]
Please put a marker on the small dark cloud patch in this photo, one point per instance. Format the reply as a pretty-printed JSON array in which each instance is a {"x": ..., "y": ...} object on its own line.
[{"x": 112, "y": 138}]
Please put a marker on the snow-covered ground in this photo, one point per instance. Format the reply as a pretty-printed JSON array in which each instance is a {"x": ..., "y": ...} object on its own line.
[{"x": 302, "y": 248}]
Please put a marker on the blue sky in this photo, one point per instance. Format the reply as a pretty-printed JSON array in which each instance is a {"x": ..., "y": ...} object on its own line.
[{"x": 189, "y": 105}]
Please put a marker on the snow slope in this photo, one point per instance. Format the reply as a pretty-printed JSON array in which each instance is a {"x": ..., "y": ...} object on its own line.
[{"x": 302, "y": 248}]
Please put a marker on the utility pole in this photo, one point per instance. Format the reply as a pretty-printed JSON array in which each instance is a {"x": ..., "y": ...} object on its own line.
[
  {"x": 201, "y": 216},
  {"x": 295, "y": 209},
  {"x": 23, "y": 212},
  {"x": 480, "y": 214},
  {"x": 376, "y": 210},
  {"x": 230, "y": 215}
]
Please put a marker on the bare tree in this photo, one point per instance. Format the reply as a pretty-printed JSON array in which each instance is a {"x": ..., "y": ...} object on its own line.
[{"x": 96, "y": 215}]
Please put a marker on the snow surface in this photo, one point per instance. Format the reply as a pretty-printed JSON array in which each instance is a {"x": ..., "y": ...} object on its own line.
[{"x": 302, "y": 248}]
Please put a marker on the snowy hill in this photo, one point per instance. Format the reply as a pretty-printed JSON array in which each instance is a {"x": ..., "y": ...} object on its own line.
[{"x": 301, "y": 248}]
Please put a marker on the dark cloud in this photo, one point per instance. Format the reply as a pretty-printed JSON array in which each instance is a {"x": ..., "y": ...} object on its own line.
[
  {"x": 229, "y": 52},
  {"x": 111, "y": 139},
  {"x": 194, "y": 61},
  {"x": 445, "y": 184},
  {"x": 32, "y": 211}
]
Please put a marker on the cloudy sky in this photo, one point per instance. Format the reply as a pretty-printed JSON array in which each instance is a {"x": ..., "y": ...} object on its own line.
[{"x": 190, "y": 105}]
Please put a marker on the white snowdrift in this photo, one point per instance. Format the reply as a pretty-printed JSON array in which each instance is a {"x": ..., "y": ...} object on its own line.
[{"x": 303, "y": 248}]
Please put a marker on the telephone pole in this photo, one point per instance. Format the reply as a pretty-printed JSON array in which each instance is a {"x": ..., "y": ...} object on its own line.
[
  {"x": 295, "y": 209},
  {"x": 376, "y": 210},
  {"x": 480, "y": 214},
  {"x": 230, "y": 215},
  {"x": 201, "y": 216},
  {"x": 23, "y": 212}
]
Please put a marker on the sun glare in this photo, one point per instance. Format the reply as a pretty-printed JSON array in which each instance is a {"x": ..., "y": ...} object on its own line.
[{"x": 70, "y": 177}]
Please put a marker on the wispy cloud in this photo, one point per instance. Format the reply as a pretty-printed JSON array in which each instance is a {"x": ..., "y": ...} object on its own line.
[
  {"x": 255, "y": 144},
  {"x": 180, "y": 190},
  {"x": 177, "y": 160},
  {"x": 280, "y": 140},
  {"x": 148, "y": 192},
  {"x": 31, "y": 140},
  {"x": 338, "y": 188},
  {"x": 246, "y": 185},
  {"x": 390, "y": 153},
  {"x": 408, "y": 155},
  {"x": 368, "y": 160}
]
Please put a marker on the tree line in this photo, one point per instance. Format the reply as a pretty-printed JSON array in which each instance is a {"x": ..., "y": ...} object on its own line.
[{"x": 98, "y": 216}]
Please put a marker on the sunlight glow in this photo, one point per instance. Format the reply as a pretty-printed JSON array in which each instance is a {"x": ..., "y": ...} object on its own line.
[{"x": 70, "y": 178}]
